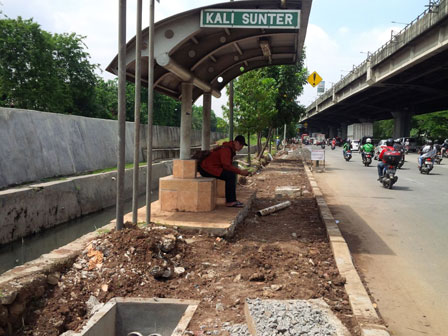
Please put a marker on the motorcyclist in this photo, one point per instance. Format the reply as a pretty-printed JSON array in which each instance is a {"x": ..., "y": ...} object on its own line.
[
  {"x": 444, "y": 147},
  {"x": 428, "y": 151},
  {"x": 398, "y": 145},
  {"x": 367, "y": 148},
  {"x": 333, "y": 142},
  {"x": 346, "y": 147},
  {"x": 382, "y": 163}
]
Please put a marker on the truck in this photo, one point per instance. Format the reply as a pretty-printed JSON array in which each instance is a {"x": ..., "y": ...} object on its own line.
[{"x": 359, "y": 130}]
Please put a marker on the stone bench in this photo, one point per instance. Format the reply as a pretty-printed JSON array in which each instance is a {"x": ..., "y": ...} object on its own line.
[{"x": 183, "y": 191}]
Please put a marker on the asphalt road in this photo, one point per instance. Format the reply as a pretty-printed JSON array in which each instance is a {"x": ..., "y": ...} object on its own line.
[{"x": 398, "y": 238}]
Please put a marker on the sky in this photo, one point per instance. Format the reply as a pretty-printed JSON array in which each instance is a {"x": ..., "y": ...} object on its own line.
[{"x": 339, "y": 34}]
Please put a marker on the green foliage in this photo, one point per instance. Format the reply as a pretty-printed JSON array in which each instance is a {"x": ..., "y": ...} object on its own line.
[
  {"x": 383, "y": 129},
  {"x": 221, "y": 125},
  {"x": 254, "y": 101},
  {"x": 45, "y": 72},
  {"x": 431, "y": 125}
]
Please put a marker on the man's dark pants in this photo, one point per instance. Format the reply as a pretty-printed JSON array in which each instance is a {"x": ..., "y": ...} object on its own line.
[{"x": 230, "y": 179}]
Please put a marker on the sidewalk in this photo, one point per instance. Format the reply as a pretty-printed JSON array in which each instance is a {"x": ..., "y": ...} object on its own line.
[{"x": 285, "y": 255}]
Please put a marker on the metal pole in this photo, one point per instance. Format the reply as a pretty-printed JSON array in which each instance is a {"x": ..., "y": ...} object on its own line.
[
  {"x": 150, "y": 110},
  {"x": 185, "y": 120},
  {"x": 138, "y": 89},
  {"x": 206, "y": 119},
  {"x": 231, "y": 110},
  {"x": 248, "y": 148},
  {"x": 121, "y": 111}
]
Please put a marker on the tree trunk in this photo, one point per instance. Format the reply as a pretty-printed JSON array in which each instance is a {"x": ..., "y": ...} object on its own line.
[
  {"x": 258, "y": 144},
  {"x": 248, "y": 148},
  {"x": 268, "y": 139}
]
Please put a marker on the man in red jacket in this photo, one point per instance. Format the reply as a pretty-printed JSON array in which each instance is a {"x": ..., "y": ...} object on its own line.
[{"x": 219, "y": 164}]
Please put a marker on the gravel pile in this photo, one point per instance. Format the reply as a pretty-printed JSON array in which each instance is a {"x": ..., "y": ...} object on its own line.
[
  {"x": 289, "y": 318},
  {"x": 237, "y": 329}
]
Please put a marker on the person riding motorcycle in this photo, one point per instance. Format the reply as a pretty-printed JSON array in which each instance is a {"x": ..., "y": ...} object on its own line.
[
  {"x": 367, "y": 148},
  {"x": 444, "y": 147},
  {"x": 428, "y": 151},
  {"x": 346, "y": 147},
  {"x": 398, "y": 145},
  {"x": 382, "y": 163}
]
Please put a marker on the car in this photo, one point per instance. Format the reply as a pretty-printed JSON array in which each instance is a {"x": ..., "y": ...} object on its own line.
[
  {"x": 355, "y": 145},
  {"x": 410, "y": 143},
  {"x": 381, "y": 145}
]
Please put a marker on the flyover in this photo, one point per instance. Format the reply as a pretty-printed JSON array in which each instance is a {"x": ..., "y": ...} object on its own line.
[{"x": 406, "y": 76}]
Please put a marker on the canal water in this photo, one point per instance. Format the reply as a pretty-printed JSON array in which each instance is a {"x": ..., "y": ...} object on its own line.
[{"x": 32, "y": 247}]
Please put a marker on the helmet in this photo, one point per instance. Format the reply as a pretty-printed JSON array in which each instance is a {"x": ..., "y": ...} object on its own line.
[
  {"x": 369, "y": 140},
  {"x": 397, "y": 141},
  {"x": 429, "y": 142},
  {"x": 389, "y": 142}
]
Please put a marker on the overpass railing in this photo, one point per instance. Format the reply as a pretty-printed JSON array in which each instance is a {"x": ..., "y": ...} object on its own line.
[{"x": 439, "y": 7}]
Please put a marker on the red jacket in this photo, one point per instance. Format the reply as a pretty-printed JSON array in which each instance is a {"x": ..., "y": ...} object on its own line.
[
  {"x": 220, "y": 159},
  {"x": 386, "y": 149}
]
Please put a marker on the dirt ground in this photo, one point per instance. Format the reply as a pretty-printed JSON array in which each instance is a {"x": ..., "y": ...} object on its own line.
[{"x": 284, "y": 255}]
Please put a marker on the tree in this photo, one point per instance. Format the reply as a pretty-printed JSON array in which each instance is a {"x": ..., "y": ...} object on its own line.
[
  {"x": 254, "y": 99},
  {"x": 45, "y": 72}
]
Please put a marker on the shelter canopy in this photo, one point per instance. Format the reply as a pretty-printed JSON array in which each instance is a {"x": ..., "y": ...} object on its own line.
[{"x": 211, "y": 57}]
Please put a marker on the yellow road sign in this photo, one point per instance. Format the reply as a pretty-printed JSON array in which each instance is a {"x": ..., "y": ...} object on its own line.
[{"x": 314, "y": 79}]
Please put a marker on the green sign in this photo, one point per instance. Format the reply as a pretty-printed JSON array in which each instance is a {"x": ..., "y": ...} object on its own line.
[{"x": 246, "y": 18}]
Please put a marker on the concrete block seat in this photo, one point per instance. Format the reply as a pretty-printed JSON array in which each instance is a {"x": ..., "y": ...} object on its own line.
[{"x": 198, "y": 203}]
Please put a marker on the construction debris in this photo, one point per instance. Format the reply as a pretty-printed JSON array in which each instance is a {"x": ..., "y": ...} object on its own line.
[{"x": 274, "y": 208}]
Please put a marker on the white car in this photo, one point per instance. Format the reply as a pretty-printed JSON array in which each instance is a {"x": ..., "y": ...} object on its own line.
[{"x": 355, "y": 145}]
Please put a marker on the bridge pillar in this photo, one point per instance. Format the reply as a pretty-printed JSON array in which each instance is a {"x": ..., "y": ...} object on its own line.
[
  {"x": 402, "y": 123},
  {"x": 344, "y": 130},
  {"x": 331, "y": 132}
]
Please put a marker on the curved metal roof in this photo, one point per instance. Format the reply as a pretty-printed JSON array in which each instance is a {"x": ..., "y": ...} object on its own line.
[{"x": 184, "y": 51}]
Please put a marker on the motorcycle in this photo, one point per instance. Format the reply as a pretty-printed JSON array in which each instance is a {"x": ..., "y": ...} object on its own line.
[
  {"x": 367, "y": 159},
  {"x": 427, "y": 166},
  {"x": 401, "y": 163},
  {"x": 333, "y": 147},
  {"x": 388, "y": 179},
  {"x": 322, "y": 145},
  {"x": 348, "y": 155},
  {"x": 438, "y": 158}
]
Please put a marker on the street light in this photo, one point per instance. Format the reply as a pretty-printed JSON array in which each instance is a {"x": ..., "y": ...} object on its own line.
[
  {"x": 399, "y": 23},
  {"x": 366, "y": 52}
]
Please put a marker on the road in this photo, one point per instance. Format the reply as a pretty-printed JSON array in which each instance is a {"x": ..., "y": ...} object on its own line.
[{"x": 398, "y": 238}]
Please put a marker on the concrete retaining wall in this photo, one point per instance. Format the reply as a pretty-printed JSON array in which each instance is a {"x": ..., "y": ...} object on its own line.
[
  {"x": 36, "y": 145},
  {"x": 29, "y": 209}
]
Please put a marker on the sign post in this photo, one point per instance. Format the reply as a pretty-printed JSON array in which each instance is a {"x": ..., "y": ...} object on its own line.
[
  {"x": 314, "y": 79},
  {"x": 316, "y": 156},
  {"x": 248, "y": 18}
]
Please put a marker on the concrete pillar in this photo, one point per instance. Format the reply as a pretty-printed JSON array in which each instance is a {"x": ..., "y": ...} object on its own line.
[
  {"x": 185, "y": 120},
  {"x": 344, "y": 130},
  {"x": 402, "y": 123},
  {"x": 206, "y": 120},
  {"x": 331, "y": 132}
]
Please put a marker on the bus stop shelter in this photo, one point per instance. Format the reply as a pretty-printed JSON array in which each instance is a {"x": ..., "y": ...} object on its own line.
[{"x": 198, "y": 52}]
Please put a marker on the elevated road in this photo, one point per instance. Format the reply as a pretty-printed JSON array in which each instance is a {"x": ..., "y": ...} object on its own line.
[
  {"x": 397, "y": 237},
  {"x": 406, "y": 76}
]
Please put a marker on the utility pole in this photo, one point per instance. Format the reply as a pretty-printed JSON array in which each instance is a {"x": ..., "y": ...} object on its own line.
[{"x": 231, "y": 108}]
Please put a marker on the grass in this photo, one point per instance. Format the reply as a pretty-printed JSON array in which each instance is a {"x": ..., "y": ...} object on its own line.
[{"x": 102, "y": 231}]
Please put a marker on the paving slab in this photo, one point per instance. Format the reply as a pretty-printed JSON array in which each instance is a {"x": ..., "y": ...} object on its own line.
[{"x": 221, "y": 221}]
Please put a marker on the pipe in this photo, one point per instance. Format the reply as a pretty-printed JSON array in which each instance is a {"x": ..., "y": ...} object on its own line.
[{"x": 185, "y": 75}]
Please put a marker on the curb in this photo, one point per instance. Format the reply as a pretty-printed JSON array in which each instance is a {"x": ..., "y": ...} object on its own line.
[{"x": 363, "y": 309}]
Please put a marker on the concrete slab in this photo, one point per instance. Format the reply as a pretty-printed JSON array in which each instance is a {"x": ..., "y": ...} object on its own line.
[
  {"x": 222, "y": 221},
  {"x": 125, "y": 316}
]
